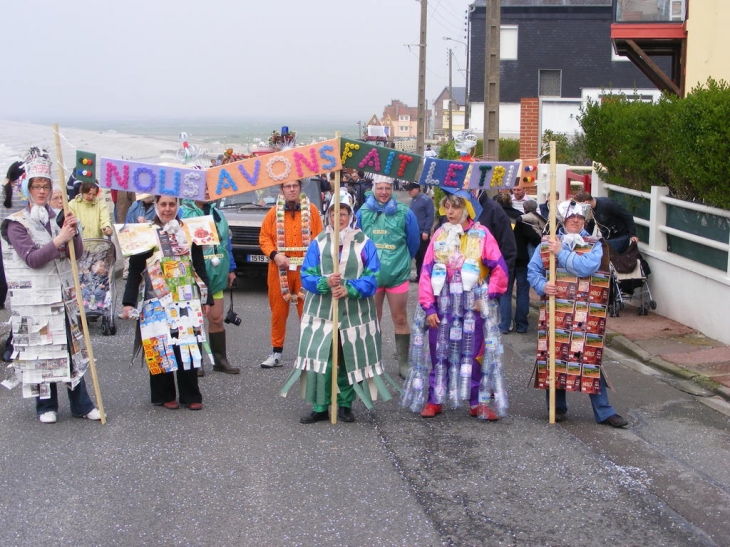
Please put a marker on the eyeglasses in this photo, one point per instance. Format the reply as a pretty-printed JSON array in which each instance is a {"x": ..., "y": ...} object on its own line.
[
  {"x": 41, "y": 187},
  {"x": 291, "y": 187}
]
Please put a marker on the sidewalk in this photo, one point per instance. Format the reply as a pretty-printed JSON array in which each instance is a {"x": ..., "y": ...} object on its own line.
[{"x": 674, "y": 348}]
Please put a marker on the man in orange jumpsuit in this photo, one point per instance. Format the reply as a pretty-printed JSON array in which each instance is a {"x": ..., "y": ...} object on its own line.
[{"x": 284, "y": 238}]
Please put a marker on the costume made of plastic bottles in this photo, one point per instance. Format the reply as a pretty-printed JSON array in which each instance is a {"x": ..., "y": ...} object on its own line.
[{"x": 463, "y": 275}]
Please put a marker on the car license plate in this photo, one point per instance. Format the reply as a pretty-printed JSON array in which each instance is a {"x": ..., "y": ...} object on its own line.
[{"x": 258, "y": 258}]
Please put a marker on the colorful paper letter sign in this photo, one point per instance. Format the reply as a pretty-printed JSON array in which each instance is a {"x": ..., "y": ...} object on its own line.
[
  {"x": 149, "y": 178},
  {"x": 272, "y": 169},
  {"x": 478, "y": 175},
  {"x": 379, "y": 159}
]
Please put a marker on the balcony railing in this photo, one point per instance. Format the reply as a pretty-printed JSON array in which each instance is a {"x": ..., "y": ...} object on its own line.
[{"x": 649, "y": 11}]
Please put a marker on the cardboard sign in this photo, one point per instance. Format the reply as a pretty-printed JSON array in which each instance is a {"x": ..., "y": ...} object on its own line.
[
  {"x": 149, "y": 178},
  {"x": 272, "y": 169},
  {"x": 380, "y": 160}
]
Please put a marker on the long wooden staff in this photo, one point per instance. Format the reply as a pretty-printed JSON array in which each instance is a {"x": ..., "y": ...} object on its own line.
[
  {"x": 551, "y": 299},
  {"x": 335, "y": 302},
  {"x": 75, "y": 272}
]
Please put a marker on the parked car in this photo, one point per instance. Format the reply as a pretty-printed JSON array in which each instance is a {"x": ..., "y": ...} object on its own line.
[{"x": 245, "y": 213}]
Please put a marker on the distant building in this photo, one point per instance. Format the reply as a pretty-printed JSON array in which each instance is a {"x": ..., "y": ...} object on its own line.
[
  {"x": 441, "y": 113},
  {"x": 402, "y": 119}
]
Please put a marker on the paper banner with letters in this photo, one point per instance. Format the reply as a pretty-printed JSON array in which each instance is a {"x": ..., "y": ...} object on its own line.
[
  {"x": 380, "y": 160},
  {"x": 149, "y": 178},
  {"x": 478, "y": 175},
  {"x": 272, "y": 169}
]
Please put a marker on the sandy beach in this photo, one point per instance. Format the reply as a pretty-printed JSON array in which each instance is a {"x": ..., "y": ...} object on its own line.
[{"x": 17, "y": 137}]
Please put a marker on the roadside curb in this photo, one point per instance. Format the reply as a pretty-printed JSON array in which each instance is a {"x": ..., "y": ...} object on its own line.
[{"x": 623, "y": 345}]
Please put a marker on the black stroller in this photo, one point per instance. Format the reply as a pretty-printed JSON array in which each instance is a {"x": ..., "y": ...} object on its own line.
[{"x": 629, "y": 272}]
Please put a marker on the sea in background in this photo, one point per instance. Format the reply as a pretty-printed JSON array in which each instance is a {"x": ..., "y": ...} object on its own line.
[
  {"x": 157, "y": 140},
  {"x": 216, "y": 135}
]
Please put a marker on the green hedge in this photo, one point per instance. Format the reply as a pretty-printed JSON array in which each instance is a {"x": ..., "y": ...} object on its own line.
[{"x": 681, "y": 143}]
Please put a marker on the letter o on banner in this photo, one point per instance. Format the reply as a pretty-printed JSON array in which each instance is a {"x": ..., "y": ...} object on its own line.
[
  {"x": 270, "y": 168},
  {"x": 151, "y": 177}
]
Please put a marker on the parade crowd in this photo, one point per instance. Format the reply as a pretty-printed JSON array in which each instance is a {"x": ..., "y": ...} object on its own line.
[{"x": 472, "y": 254}]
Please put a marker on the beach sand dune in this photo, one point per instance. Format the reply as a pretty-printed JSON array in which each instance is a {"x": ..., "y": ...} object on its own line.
[{"x": 17, "y": 137}]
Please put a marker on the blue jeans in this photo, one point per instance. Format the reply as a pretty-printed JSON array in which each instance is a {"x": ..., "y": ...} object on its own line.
[
  {"x": 78, "y": 399},
  {"x": 602, "y": 409},
  {"x": 519, "y": 275}
]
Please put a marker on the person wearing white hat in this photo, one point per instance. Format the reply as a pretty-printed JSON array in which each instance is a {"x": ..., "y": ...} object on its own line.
[
  {"x": 353, "y": 284},
  {"x": 394, "y": 229},
  {"x": 569, "y": 235},
  {"x": 38, "y": 260}
]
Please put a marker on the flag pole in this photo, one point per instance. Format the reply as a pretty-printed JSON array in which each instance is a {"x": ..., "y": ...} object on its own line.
[
  {"x": 551, "y": 299},
  {"x": 75, "y": 271},
  {"x": 335, "y": 302}
]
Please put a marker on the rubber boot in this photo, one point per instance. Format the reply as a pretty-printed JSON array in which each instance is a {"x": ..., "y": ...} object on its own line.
[
  {"x": 218, "y": 347},
  {"x": 402, "y": 341}
]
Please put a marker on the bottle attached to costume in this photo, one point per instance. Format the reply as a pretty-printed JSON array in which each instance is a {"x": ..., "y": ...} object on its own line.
[{"x": 460, "y": 281}]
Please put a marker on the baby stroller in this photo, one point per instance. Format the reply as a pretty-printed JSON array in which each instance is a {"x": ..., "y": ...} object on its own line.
[
  {"x": 629, "y": 273},
  {"x": 96, "y": 277}
]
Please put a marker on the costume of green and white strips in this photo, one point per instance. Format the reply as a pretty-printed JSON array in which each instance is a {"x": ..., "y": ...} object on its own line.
[{"x": 358, "y": 329}]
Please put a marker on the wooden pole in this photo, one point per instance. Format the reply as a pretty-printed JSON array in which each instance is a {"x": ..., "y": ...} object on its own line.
[
  {"x": 551, "y": 300},
  {"x": 75, "y": 272},
  {"x": 335, "y": 302}
]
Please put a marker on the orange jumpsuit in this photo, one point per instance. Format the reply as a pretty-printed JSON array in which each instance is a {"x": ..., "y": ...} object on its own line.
[{"x": 293, "y": 238}]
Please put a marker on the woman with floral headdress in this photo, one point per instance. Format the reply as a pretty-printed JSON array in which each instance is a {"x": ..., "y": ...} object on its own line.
[{"x": 39, "y": 274}]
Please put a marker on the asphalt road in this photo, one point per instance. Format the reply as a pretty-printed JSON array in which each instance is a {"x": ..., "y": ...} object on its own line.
[{"x": 243, "y": 471}]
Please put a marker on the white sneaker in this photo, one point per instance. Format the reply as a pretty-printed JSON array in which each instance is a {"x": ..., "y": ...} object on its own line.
[
  {"x": 93, "y": 415},
  {"x": 274, "y": 360},
  {"x": 48, "y": 417}
]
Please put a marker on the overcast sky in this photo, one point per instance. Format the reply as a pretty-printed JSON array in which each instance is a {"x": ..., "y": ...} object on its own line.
[{"x": 298, "y": 59}]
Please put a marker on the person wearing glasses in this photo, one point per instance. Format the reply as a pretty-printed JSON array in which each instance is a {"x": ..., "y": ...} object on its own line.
[
  {"x": 286, "y": 232},
  {"x": 38, "y": 267}
]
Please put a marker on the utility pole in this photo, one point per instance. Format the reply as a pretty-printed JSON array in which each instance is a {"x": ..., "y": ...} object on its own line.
[
  {"x": 467, "y": 110},
  {"x": 491, "y": 80},
  {"x": 421, "y": 130},
  {"x": 451, "y": 101}
]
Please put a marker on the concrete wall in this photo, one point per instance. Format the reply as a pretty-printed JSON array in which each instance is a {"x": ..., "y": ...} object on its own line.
[{"x": 708, "y": 41}]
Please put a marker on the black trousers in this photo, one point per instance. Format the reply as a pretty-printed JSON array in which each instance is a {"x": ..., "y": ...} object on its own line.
[
  {"x": 162, "y": 386},
  {"x": 420, "y": 255},
  {"x": 3, "y": 281}
]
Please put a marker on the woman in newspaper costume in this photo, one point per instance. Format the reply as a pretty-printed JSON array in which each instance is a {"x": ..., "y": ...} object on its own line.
[
  {"x": 360, "y": 357},
  {"x": 171, "y": 309},
  {"x": 463, "y": 271},
  {"x": 582, "y": 265},
  {"x": 46, "y": 333}
]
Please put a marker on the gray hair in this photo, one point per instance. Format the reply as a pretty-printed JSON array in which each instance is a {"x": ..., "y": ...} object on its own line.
[{"x": 530, "y": 206}]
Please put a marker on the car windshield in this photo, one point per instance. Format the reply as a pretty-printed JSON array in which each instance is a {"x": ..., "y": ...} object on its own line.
[{"x": 266, "y": 197}]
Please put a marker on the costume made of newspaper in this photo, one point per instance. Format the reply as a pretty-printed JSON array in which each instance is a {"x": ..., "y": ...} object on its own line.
[
  {"x": 164, "y": 288},
  {"x": 44, "y": 320},
  {"x": 36, "y": 297},
  {"x": 358, "y": 331}
]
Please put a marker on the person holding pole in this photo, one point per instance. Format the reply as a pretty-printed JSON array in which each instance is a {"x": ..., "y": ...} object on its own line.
[
  {"x": 348, "y": 277},
  {"x": 581, "y": 265},
  {"x": 37, "y": 263}
]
